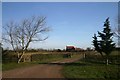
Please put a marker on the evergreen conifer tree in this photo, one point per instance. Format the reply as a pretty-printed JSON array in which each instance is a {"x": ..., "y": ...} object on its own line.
[{"x": 105, "y": 44}]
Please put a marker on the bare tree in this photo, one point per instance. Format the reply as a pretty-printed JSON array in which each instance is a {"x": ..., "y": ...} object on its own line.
[
  {"x": 117, "y": 33},
  {"x": 21, "y": 35},
  {"x": 116, "y": 30}
]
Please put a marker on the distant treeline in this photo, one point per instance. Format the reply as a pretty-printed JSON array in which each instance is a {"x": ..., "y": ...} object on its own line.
[
  {"x": 42, "y": 50},
  {"x": 51, "y": 50}
]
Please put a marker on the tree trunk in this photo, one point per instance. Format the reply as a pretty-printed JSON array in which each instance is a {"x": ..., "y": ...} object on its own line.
[
  {"x": 20, "y": 58},
  {"x": 101, "y": 54},
  {"x": 107, "y": 61},
  {"x": 24, "y": 59},
  {"x": 84, "y": 55},
  {"x": 18, "y": 55}
]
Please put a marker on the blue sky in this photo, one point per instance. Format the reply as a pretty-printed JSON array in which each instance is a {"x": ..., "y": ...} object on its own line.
[{"x": 72, "y": 23}]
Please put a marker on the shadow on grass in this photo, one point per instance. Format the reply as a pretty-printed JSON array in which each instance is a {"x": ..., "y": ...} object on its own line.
[
  {"x": 92, "y": 61},
  {"x": 81, "y": 63},
  {"x": 71, "y": 64}
]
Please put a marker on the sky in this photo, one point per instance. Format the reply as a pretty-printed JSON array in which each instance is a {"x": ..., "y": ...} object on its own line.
[
  {"x": 0, "y": 21},
  {"x": 71, "y": 23},
  {"x": 60, "y": 0}
]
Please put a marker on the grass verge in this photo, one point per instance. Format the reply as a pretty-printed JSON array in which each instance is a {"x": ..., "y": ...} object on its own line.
[
  {"x": 82, "y": 70},
  {"x": 13, "y": 65},
  {"x": 87, "y": 69}
]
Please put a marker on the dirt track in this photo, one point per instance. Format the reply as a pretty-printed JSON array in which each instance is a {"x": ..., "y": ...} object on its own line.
[
  {"x": 37, "y": 71},
  {"x": 52, "y": 70}
]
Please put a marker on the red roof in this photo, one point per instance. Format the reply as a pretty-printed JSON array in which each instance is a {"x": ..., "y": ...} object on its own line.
[{"x": 70, "y": 47}]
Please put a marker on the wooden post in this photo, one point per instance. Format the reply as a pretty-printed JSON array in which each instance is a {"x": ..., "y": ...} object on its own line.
[
  {"x": 107, "y": 61},
  {"x": 84, "y": 55}
]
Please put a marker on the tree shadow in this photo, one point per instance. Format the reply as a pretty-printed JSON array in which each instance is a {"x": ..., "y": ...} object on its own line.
[
  {"x": 102, "y": 62},
  {"x": 67, "y": 64}
]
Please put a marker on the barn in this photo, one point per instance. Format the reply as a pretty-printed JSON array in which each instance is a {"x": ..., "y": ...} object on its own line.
[{"x": 70, "y": 48}]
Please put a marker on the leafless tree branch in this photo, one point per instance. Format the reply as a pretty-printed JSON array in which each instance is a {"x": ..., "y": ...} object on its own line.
[{"x": 21, "y": 35}]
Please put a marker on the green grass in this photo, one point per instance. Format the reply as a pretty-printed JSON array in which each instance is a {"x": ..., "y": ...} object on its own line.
[
  {"x": 13, "y": 65},
  {"x": 94, "y": 67},
  {"x": 82, "y": 70}
]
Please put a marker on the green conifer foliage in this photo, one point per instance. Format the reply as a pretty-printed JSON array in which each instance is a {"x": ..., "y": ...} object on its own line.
[{"x": 105, "y": 44}]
